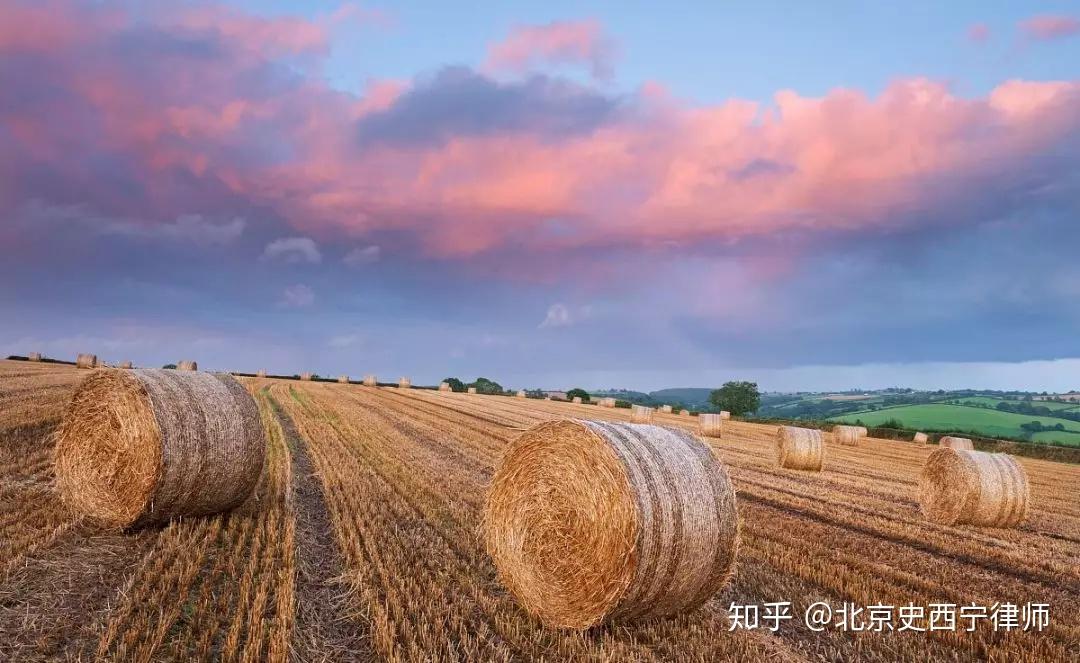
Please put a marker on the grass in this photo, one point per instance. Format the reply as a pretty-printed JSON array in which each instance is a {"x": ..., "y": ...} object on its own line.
[
  {"x": 990, "y": 401},
  {"x": 939, "y": 417},
  {"x": 1060, "y": 437}
]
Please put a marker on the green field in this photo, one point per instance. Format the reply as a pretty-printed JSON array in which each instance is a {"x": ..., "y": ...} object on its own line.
[
  {"x": 991, "y": 423},
  {"x": 990, "y": 401}
]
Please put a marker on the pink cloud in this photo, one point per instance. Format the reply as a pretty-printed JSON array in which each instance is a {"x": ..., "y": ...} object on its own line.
[
  {"x": 1048, "y": 26},
  {"x": 559, "y": 42},
  {"x": 978, "y": 32}
]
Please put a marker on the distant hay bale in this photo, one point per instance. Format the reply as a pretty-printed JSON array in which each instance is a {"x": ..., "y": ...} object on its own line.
[
  {"x": 86, "y": 361},
  {"x": 371, "y": 381},
  {"x": 800, "y": 448},
  {"x": 577, "y": 400},
  {"x": 404, "y": 383},
  {"x": 343, "y": 379},
  {"x": 590, "y": 522},
  {"x": 606, "y": 402},
  {"x": 712, "y": 425},
  {"x": 724, "y": 414},
  {"x": 145, "y": 446},
  {"x": 952, "y": 442},
  {"x": 444, "y": 386},
  {"x": 187, "y": 366},
  {"x": 684, "y": 413},
  {"x": 520, "y": 394},
  {"x": 967, "y": 487},
  {"x": 848, "y": 435},
  {"x": 124, "y": 364},
  {"x": 33, "y": 356},
  {"x": 666, "y": 409},
  {"x": 920, "y": 438},
  {"x": 472, "y": 390},
  {"x": 307, "y": 377},
  {"x": 261, "y": 374},
  {"x": 640, "y": 414}
]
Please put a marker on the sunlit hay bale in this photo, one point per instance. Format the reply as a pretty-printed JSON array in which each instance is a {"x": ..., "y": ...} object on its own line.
[
  {"x": 187, "y": 366},
  {"x": 520, "y": 394},
  {"x": 577, "y": 400},
  {"x": 261, "y": 374},
  {"x": 145, "y": 446},
  {"x": 33, "y": 356},
  {"x": 607, "y": 402},
  {"x": 124, "y": 364},
  {"x": 848, "y": 435},
  {"x": 444, "y": 386},
  {"x": 590, "y": 522},
  {"x": 967, "y": 487},
  {"x": 666, "y": 409},
  {"x": 920, "y": 438},
  {"x": 404, "y": 383},
  {"x": 724, "y": 414},
  {"x": 640, "y": 414},
  {"x": 961, "y": 443},
  {"x": 307, "y": 377},
  {"x": 472, "y": 390},
  {"x": 86, "y": 361},
  {"x": 712, "y": 425},
  {"x": 343, "y": 379},
  {"x": 800, "y": 448},
  {"x": 371, "y": 381}
]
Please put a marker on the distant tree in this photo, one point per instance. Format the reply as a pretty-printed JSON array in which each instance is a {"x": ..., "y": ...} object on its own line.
[
  {"x": 737, "y": 397},
  {"x": 486, "y": 386},
  {"x": 455, "y": 384},
  {"x": 171, "y": 366},
  {"x": 577, "y": 391},
  {"x": 535, "y": 393}
]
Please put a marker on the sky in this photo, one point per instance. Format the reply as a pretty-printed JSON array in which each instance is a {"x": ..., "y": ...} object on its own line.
[{"x": 819, "y": 197}]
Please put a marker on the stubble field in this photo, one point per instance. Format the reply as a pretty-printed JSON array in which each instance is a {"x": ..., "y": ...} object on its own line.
[{"x": 361, "y": 543}]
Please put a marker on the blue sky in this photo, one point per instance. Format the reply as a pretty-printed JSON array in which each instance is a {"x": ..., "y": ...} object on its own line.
[{"x": 556, "y": 195}]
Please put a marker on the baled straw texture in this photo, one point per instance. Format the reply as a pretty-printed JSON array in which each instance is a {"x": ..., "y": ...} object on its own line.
[
  {"x": 800, "y": 448},
  {"x": 966, "y": 487},
  {"x": 306, "y": 377},
  {"x": 666, "y": 409},
  {"x": 404, "y": 383},
  {"x": 86, "y": 361},
  {"x": 640, "y": 414},
  {"x": 261, "y": 374},
  {"x": 951, "y": 442},
  {"x": 724, "y": 414},
  {"x": 848, "y": 435},
  {"x": 371, "y": 381},
  {"x": 577, "y": 400},
  {"x": 444, "y": 386},
  {"x": 520, "y": 394},
  {"x": 145, "y": 446},
  {"x": 589, "y": 522},
  {"x": 343, "y": 379},
  {"x": 684, "y": 413},
  {"x": 187, "y": 366},
  {"x": 472, "y": 390},
  {"x": 33, "y": 356},
  {"x": 712, "y": 425},
  {"x": 920, "y": 438},
  {"x": 606, "y": 402}
]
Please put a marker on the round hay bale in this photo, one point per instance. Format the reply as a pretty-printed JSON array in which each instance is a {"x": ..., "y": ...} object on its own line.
[
  {"x": 472, "y": 390},
  {"x": 187, "y": 366},
  {"x": 712, "y": 425},
  {"x": 607, "y": 402},
  {"x": 920, "y": 438},
  {"x": 724, "y": 414},
  {"x": 444, "y": 386},
  {"x": 967, "y": 487},
  {"x": 577, "y": 400},
  {"x": 145, "y": 446},
  {"x": 404, "y": 383},
  {"x": 343, "y": 379},
  {"x": 666, "y": 409},
  {"x": 33, "y": 356},
  {"x": 800, "y": 448},
  {"x": 86, "y": 361},
  {"x": 261, "y": 374},
  {"x": 307, "y": 377},
  {"x": 848, "y": 435},
  {"x": 952, "y": 442},
  {"x": 640, "y": 414},
  {"x": 520, "y": 393},
  {"x": 371, "y": 381},
  {"x": 124, "y": 365},
  {"x": 684, "y": 413},
  {"x": 590, "y": 522}
]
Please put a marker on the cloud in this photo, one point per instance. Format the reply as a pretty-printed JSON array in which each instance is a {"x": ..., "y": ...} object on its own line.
[
  {"x": 362, "y": 256},
  {"x": 345, "y": 340},
  {"x": 558, "y": 42},
  {"x": 1047, "y": 26},
  {"x": 560, "y": 315},
  {"x": 297, "y": 296},
  {"x": 978, "y": 32},
  {"x": 188, "y": 228},
  {"x": 293, "y": 250}
]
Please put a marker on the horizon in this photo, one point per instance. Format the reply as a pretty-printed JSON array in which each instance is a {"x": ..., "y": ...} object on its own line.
[{"x": 563, "y": 195}]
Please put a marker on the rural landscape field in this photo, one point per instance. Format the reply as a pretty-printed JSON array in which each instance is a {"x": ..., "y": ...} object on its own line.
[{"x": 360, "y": 543}]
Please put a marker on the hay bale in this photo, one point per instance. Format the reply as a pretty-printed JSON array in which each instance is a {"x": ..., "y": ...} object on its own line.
[
  {"x": 343, "y": 379},
  {"x": 967, "y": 487},
  {"x": 577, "y": 400},
  {"x": 33, "y": 356},
  {"x": 724, "y": 414},
  {"x": 472, "y": 390},
  {"x": 444, "y": 386},
  {"x": 124, "y": 365},
  {"x": 684, "y": 413},
  {"x": 952, "y": 442},
  {"x": 520, "y": 393},
  {"x": 712, "y": 425},
  {"x": 86, "y": 361},
  {"x": 404, "y": 383},
  {"x": 307, "y": 377},
  {"x": 145, "y": 446},
  {"x": 800, "y": 448},
  {"x": 920, "y": 438},
  {"x": 666, "y": 409},
  {"x": 371, "y": 381},
  {"x": 606, "y": 402},
  {"x": 590, "y": 522},
  {"x": 187, "y": 366},
  {"x": 261, "y": 374},
  {"x": 640, "y": 414},
  {"x": 848, "y": 435}
]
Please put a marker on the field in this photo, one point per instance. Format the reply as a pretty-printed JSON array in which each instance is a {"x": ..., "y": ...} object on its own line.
[
  {"x": 989, "y": 401},
  {"x": 939, "y": 417},
  {"x": 361, "y": 544}
]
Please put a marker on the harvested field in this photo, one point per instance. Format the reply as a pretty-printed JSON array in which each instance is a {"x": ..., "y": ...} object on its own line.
[{"x": 360, "y": 543}]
